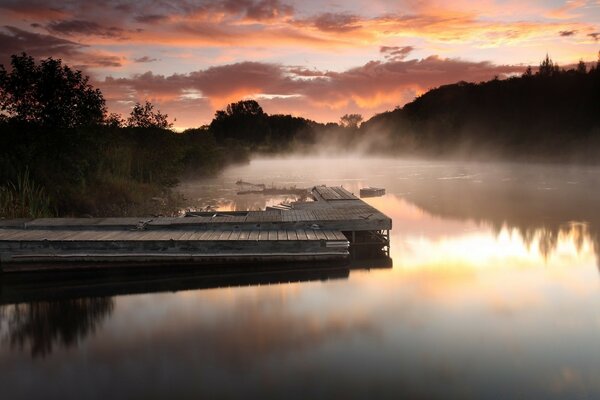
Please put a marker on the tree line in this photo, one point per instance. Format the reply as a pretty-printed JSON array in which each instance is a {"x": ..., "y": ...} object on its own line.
[
  {"x": 62, "y": 153},
  {"x": 547, "y": 115}
]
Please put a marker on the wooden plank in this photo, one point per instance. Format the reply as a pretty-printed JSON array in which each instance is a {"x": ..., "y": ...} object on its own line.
[
  {"x": 244, "y": 235},
  {"x": 311, "y": 235},
  {"x": 215, "y": 234},
  {"x": 320, "y": 234},
  {"x": 254, "y": 235},
  {"x": 225, "y": 235},
  {"x": 339, "y": 235},
  {"x": 301, "y": 233},
  {"x": 263, "y": 235},
  {"x": 292, "y": 235},
  {"x": 10, "y": 234},
  {"x": 272, "y": 234},
  {"x": 282, "y": 234},
  {"x": 187, "y": 235}
]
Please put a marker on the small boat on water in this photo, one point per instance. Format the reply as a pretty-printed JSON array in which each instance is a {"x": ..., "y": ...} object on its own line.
[{"x": 372, "y": 192}]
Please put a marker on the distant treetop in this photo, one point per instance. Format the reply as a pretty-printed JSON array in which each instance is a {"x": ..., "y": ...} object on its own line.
[{"x": 144, "y": 116}]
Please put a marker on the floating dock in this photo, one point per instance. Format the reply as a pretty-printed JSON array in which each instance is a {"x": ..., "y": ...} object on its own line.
[{"x": 329, "y": 229}]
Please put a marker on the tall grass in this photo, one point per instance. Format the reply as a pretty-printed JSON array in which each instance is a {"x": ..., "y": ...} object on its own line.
[{"x": 24, "y": 199}]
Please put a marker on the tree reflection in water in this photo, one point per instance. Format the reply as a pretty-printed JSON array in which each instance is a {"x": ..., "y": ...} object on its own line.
[{"x": 41, "y": 326}]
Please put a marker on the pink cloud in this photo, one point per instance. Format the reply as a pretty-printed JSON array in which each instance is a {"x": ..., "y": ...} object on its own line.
[{"x": 323, "y": 95}]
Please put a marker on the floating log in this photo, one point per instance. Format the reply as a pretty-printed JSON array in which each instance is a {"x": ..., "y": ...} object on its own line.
[{"x": 372, "y": 192}]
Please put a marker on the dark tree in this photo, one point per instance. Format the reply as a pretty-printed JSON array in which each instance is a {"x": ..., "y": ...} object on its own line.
[
  {"x": 48, "y": 94},
  {"x": 244, "y": 107},
  {"x": 144, "y": 116},
  {"x": 245, "y": 121},
  {"x": 351, "y": 120},
  {"x": 548, "y": 67},
  {"x": 114, "y": 120}
]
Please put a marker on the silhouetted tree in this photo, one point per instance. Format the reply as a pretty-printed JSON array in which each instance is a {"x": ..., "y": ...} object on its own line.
[
  {"x": 114, "y": 120},
  {"x": 548, "y": 67},
  {"x": 244, "y": 107},
  {"x": 581, "y": 67},
  {"x": 48, "y": 94},
  {"x": 244, "y": 120},
  {"x": 144, "y": 116},
  {"x": 351, "y": 120},
  {"x": 528, "y": 72}
]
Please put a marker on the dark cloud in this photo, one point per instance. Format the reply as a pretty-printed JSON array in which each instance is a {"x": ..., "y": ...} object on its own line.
[
  {"x": 396, "y": 53},
  {"x": 83, "y": 27},
  {"x": 330, "y": 22},
  {"x": 151, "y": 18},
  {"x": 595, "y": 35},
  {"x": 15, "y": 41},
  {"x": 145, "y": 59},
  {"x": 567, "y": 33},
  {"x": 88, "y": 60},
  {"x": 256, "y": 10},
  {"x": 231, "y": 79},
  {"x": 127, "y": 8},
  {"x": 304, "y": 72},
  {"x": 32, "y": 8}
]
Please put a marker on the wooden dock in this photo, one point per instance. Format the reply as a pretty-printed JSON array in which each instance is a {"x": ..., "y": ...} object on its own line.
[{"x": 323, "y": 230}]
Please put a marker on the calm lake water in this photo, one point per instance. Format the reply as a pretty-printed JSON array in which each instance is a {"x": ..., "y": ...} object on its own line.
[{"x": 494, "y": 293}]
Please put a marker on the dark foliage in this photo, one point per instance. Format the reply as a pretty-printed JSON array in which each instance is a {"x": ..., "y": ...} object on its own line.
[
  {"x": 48, "y": 94},
  {"x": 246, "y": 123},
  {"x": 144, "y": 116},
  {"x": 55, "y": 132}
]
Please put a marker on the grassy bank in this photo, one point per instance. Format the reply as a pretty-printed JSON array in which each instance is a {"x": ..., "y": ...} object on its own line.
[{"x": 101, "y": 170}]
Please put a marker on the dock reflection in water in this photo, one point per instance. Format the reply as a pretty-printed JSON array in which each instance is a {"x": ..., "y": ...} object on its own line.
[
  {"x": 39, "y": 312},
  {"x": 494, "y": 293}
]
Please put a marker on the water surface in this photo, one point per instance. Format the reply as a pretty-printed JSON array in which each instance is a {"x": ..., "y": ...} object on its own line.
[{"x": 494, "y": 293}]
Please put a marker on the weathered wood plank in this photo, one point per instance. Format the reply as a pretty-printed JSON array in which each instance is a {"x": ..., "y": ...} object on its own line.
[
  {"x": 310, "y": 234},
  {"x": 282, "y": 234},
  {"x": 301, "y": 233}
]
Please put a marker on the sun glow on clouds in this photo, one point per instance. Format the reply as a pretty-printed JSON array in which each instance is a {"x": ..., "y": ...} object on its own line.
[{"x": 215, "y": 43}]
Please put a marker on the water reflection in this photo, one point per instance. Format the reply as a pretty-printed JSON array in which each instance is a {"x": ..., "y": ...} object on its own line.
[
  {"x": 421, "y": 237},
  {"x": 39, "y": 314},
  {"x": 38, "y": 327}
]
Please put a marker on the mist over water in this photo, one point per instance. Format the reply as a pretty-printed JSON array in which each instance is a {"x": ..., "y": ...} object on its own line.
[{"x": 494, "y": 293}]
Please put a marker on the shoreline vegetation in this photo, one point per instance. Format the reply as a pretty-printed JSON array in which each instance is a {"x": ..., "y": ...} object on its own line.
[{"x": 63, "y": 154}]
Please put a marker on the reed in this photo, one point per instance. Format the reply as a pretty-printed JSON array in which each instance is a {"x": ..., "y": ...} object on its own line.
[{"x": 24, "y": 199}]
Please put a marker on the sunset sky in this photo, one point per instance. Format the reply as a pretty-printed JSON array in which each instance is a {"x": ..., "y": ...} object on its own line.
[{"x": 317, "y": 59}]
